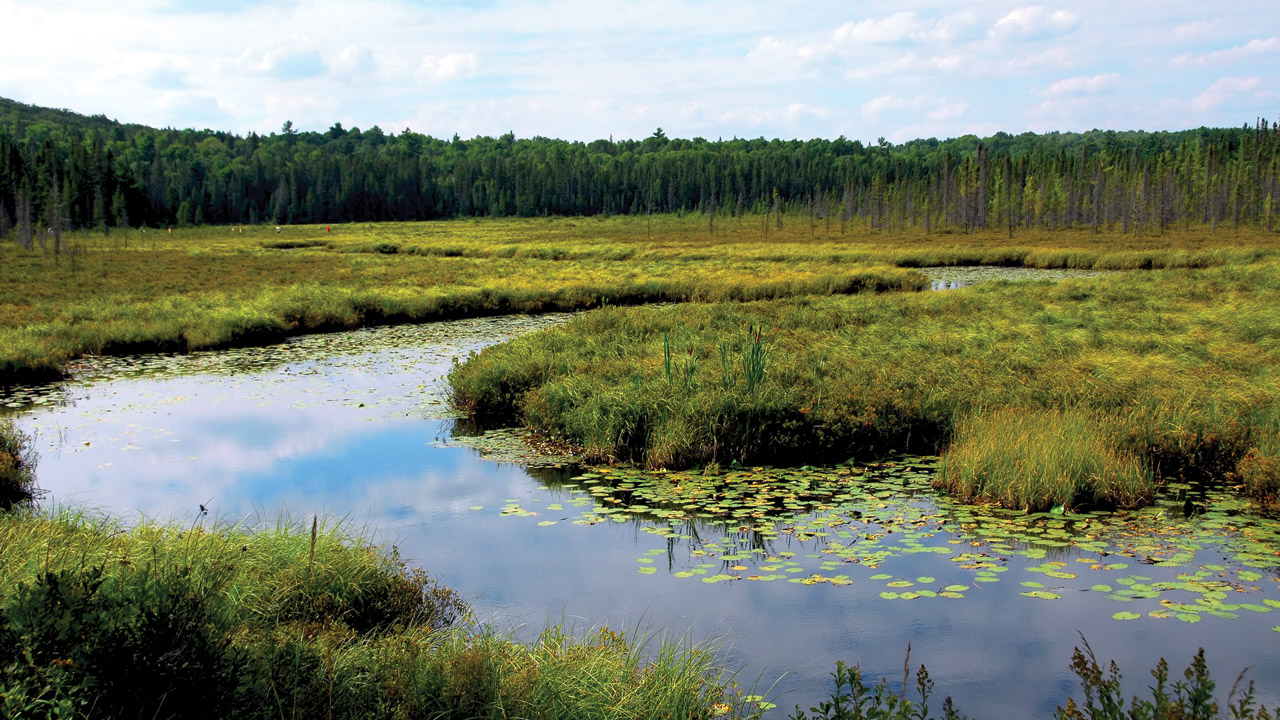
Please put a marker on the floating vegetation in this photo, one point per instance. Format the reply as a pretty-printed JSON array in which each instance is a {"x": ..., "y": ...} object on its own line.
[
  {"x": 853, "y": 525},
  {"x": 507, "y": 445}
]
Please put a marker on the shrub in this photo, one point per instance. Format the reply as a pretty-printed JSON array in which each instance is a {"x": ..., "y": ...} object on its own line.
[{"x": 17, "y": 466}]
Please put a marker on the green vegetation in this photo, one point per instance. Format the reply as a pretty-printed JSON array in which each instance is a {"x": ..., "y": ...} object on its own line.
[
  {"x": 1043, "y": 458},
  {"x": 17, "y": 465},
  {"x": 210, "y": 287},
  {"x": 100, "y": 621},
  {"x": 1191, "y": 698},
  {"x": 1171, "y": 367},
  {"x": 65, "y": 171}
]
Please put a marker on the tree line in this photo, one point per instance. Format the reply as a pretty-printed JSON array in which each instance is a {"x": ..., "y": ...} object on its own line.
[{"x": 61, "y": 171}]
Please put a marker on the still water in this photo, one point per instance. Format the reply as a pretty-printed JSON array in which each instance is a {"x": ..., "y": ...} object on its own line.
[{"x": 845, "y": 564}]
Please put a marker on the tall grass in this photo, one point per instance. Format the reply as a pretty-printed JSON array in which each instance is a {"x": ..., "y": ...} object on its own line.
[
  {"x": 1178, "y": 364},
  {"x": 153, "y": 621},
  {"x": 1039, "y": 459}
]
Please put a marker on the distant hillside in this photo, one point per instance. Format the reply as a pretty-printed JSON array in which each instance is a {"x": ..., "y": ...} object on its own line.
[{"x": 60, "y": 168}]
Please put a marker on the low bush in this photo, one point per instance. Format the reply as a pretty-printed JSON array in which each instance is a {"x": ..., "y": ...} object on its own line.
[{"x": 17, "y": 465}]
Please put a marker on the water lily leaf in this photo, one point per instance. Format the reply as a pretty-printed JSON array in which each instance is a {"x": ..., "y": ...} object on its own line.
[
  {"x": 900, "y": 584},
  {"x": 925, "y": 580},
  {"x": 545, "y": 523},
  {"x": 685, "y": 574},
  {"x": 1125, "y": 615},
  {"x": 647, "y": 570},
  {"x": 1042, "y": 594},
  {"x": 477, "y": 507},
  {"x": 950, "y": 594},
  {"x": 1101, "y": 588},
  {"x": 889, "y": 595},
  {"x": 1031, "y": 584},
  {"x": 1188, "y": 617}
]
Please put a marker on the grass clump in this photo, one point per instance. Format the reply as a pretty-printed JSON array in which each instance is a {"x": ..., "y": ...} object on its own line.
[
  {"x": 1040, "y": 459},
  {"x": 97, "y": 620},
  {"x": 17, "y": 465}
]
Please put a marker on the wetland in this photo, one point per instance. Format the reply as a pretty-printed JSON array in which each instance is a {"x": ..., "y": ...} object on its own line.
[{"x": 789, "y": 569}]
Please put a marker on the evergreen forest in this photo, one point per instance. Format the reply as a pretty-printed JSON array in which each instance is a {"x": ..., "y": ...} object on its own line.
[{"x": 64, "y": 171}]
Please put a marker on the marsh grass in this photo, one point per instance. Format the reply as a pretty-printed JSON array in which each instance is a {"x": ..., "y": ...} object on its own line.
[
  {"x": 1177, "y": 365},
  {"x": 1039, "y": 459},
  {"x": 210, "y": 287},
  {"x": 300, "y": 620}
]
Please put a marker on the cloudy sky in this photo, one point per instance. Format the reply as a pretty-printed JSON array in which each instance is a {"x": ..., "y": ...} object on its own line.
[{"x": 582, "y": 70}]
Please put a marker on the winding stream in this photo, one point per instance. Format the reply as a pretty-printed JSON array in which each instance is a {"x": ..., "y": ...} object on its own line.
[{"x": 788, "y": 570}]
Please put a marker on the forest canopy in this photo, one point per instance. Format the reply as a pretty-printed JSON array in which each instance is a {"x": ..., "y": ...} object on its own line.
[{"x": 67, "y": 171}]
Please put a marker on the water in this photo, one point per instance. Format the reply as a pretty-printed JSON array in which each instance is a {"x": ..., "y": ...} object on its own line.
[
  {"x": 954, "y": 277},
  {"x": 354, "y": 427}
]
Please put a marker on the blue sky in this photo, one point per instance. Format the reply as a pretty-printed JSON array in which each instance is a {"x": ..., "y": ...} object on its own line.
[{"x": 581, "y": 71}]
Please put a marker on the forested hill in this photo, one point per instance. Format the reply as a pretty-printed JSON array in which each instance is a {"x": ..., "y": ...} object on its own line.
[{"x": 66, "y": 171}]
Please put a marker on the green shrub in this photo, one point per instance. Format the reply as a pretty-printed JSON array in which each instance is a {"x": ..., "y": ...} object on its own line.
[
  {"x": 17, "y": 466},
  {"x": 139, "y": 644}
]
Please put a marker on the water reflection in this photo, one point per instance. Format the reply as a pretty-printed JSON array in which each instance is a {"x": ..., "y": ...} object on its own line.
[
  {"x": 952, "y": 277},
  {"x": 355, "y": 431}
]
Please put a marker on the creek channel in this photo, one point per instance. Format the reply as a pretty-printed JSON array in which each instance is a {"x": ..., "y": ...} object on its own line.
[{"x": 787, "y": 570}]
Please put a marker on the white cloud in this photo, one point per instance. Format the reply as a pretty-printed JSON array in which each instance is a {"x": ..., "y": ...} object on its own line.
[
  {"x": 1083, "y": 84},
  {"x": 933, "y": 107},
  {"x": 883, "y": 30},
  {"x": 1033, "y": 21},
  {"x": 1224, "y": 91},
  {"x": 1251, "y": 49},
  {"x": 448, "y": 67},
  {"x": 354, "y": 61},
  {"x": 289, "y": 61}
]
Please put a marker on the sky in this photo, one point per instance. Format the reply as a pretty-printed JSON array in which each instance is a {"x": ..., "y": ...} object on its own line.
[{"x": 584, "y": 70}]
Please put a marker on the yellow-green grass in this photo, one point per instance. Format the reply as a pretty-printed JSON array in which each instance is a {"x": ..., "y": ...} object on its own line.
[
  {"x": 1180, "y": 363},
  {"x": 213, "y": 286},
  {"x": 151, "y": 621},
  {"x": 1015, "y": 457}
]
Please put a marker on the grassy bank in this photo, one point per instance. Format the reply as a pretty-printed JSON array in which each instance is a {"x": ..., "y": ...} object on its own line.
[
  {"x": 1172, "y": 367},
  {"x": 208, "y": 287},
  {"x": 101, "y": 621}
]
